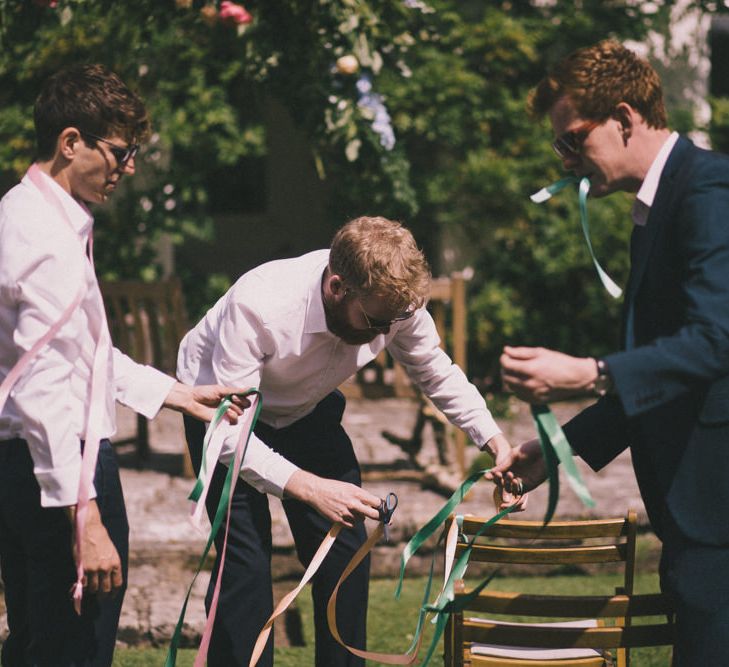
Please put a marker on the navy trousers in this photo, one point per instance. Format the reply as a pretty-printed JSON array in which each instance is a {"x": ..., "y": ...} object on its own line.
[
  {"x": 697, "y": 576},
  {"x": 317, "y": 443},
  {"x": 36, "y": 560}
]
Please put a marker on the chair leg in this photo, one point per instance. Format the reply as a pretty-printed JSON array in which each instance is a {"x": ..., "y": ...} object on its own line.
[{"x": 448, "y": 643}]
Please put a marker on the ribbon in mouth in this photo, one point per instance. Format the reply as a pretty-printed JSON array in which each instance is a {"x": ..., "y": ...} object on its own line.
[{"x": 584, "y": 189}]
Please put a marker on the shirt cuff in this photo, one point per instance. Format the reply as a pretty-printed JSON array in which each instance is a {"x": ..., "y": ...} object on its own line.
[
  {"x": 59, "y": 487},
  {"x": 263, "y": 468},
  {"x": 144, "y": 389},
  {"x": 482, "y": 434}
]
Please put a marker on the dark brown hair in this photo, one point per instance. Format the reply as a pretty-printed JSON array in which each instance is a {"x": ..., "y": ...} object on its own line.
[{"x": 90, "y": 98}]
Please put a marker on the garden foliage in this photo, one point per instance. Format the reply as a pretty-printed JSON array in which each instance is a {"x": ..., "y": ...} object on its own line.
[{"x": 413, "y": 109}]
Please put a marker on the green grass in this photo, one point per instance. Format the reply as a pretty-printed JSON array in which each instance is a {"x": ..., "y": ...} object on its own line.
[{"x": 391, "y": 622}]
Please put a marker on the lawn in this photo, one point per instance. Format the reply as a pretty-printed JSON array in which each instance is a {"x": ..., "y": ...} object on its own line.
[{"x": 391, "y": 622}]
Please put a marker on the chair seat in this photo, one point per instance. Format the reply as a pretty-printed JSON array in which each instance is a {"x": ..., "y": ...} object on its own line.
[{"x": 535, "y": 653}]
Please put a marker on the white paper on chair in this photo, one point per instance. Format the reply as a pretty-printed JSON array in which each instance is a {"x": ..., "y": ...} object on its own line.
[{"x": 535, "y": 653}]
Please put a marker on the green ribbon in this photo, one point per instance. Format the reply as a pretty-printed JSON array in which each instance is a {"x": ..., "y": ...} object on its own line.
[
  {"x": 416, "y": 541},
  {"x": 445, "y": 603},
  {"x": 217, "y": 418},
  {"x": 555, "y": 447},
  {"x": 584, "y": 190},
  {"x": 220, "y": 512}
]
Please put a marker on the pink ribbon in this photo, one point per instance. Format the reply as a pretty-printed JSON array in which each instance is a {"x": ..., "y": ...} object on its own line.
[
  {"x": 98, "y": 382},
  {"x": 246, "y": 429}
]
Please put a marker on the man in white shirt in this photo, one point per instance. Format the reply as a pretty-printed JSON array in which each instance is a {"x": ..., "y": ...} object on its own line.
[
  {"x": 665, "y": 394},
  {"x": 86, "y": 122},
  {"x": 296, "y": 329}
]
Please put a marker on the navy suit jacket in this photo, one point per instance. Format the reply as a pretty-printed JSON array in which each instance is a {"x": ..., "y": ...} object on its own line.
[{"x": 671, "y": 400}]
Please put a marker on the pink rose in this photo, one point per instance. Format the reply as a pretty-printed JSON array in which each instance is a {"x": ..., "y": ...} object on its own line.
[
  {"x": 46, "y": 3},
  {"x": 234, "y": 14}
]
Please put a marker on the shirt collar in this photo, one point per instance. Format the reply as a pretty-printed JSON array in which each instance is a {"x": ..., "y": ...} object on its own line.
[
  {"x": 649, "y": 187},
  {"x": 315, "y": 320},
  {"x": 76, "y": 213}
]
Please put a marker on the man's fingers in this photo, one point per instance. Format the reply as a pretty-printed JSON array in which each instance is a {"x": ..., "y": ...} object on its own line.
[
  {"x": 117, "y": 578},
  {"x": 104, "y": 579},
  {"x": 521, "y": 352},
  {"x": 365, "y": 508},
  {"x": 241, "y": 401},
  {"x": 232, "y": 416},
  {"x": 515, "y": 375},
  {"x": 91, "y": 582}
]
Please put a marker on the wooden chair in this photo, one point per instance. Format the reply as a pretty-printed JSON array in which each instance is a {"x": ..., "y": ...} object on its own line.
[
  {"x": 596, "y": 623},
  {"x": 147, "y": 322}
]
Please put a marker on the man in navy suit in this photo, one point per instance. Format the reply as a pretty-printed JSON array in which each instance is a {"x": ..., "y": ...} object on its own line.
[{"x": 666, "y": 393}]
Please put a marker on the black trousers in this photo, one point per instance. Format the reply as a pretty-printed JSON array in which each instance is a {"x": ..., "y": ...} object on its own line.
[
  {"x": 317, "y": 443},
  {"x": 36, "y": 559}
]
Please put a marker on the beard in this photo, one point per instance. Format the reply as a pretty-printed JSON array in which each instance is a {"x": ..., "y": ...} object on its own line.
[{"x": 336, "y": 318}]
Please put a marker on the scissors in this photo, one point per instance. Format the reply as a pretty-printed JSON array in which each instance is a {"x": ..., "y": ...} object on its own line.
[{"x": 387, "y": 509}]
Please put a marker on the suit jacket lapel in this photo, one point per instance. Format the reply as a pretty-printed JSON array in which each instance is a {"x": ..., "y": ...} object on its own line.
[
  {"x": 642, "y": 240},
  {"x": 668, "y": 190}
]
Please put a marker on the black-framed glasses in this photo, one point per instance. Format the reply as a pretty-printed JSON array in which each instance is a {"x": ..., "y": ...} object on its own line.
[
  {"x": 374, "y": 323},
  {"x": 569, "y": 144},
  {"x": 122, "y": 154}
]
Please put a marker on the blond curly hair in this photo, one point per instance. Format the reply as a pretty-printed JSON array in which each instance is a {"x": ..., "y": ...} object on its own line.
[
  {"x": 379, "y": 257},
  {"x": 596, "y": 79}
]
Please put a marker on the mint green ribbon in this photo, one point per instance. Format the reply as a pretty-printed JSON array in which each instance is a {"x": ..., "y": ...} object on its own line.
[
  {"x": 217, "y": 418},
  {"x": 584, "y": 190},
  {"x": 220, "y": 512},
  {"x": 417, "y": 540},
  {"x": 445, "y": 603},
  {"x": 446, "y": 596},
  {"x": 556, "y": 448}
]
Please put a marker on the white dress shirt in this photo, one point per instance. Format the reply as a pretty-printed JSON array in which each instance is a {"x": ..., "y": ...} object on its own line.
[
  {"x": 269, "y": 331},
  {"x": 42, "y": 267},
  {"x": 647, "y": 193}
]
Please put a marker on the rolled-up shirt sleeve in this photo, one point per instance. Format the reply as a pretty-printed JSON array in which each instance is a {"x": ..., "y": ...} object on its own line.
[
  {"x": 416, "y": 345},
  {"x": 139, "y": 387},
  {"x": 263, "y": 468},
  {"x": 239, "y": 354}
]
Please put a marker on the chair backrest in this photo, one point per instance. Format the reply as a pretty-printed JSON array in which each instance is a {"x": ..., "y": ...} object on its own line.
[
  {"x": 147, "y": 320},
  {"x": 561, "y": 543}
]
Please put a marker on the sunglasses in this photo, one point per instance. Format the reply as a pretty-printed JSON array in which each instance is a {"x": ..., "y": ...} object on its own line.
[
  {"x": 374, "y": 323},
  {"x": 570, "y": 143},
  {"x": 122, "y": 155}
]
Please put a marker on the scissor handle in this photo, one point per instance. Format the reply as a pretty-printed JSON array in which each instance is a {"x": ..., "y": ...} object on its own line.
[{"x": 387, "y": 507}]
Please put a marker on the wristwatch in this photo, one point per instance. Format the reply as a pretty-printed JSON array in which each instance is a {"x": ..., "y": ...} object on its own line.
[{"x": 604, "y": 381}]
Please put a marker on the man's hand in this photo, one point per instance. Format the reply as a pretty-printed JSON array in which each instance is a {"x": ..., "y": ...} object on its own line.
[
  {"x": 522, "y": 471},
  {"x": 340, "y": 502},
  {"x": 538, "y": 375},
  {"x": 498, "y": 447},
  {"x": 102, "y": 565},
  {"x": 202, "y": 401}
]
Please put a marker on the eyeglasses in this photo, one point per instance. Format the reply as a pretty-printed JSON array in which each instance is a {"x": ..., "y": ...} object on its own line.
[
  {"x": 374, "y": 323},
  {"x": 122, "y": 155},
  {"x": 570, "y": 143}
]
